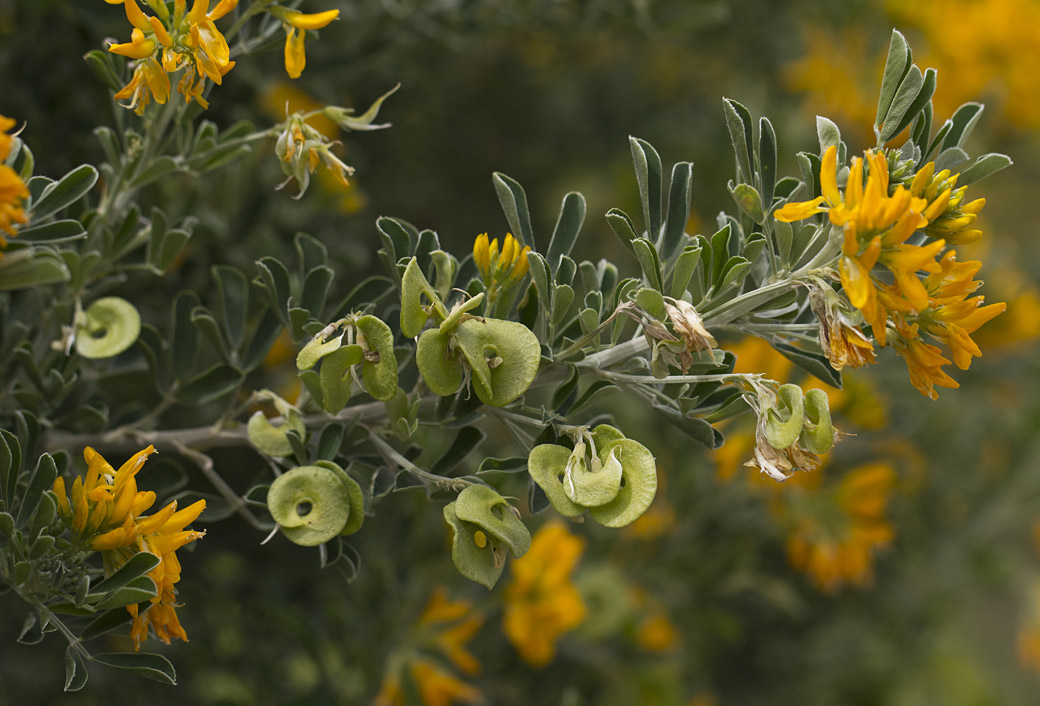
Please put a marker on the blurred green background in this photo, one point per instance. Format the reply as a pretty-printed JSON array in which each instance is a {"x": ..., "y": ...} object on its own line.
[{"x": 699, "y": 605}]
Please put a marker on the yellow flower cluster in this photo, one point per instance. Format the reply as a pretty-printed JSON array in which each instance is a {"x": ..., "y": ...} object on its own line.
[
  {"x": 834, "y": 541},
  {"x": 13, "y": 191},
  {"x": 444, "y": 628},
  {"x": 104, "y": 512},
  {"x": 877, "y": 220},
  {"x": 500, "y": 267},
  {"x": 165, "y": 43},
  {"x": 541, "y": 602}
]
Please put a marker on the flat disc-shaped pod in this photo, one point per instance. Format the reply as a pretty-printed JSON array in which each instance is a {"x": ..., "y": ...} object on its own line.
[
  {"x": 334, "y": 376},
  {"x": 603, "y": 434},
  {"x": 380, "y": 377},
  {"x": 441, "y": 370},
  {"x": 817, "y": 431},
  {"x": 547, "y": 464},
  {"x": 639, "y": 483},
  {"x": 270, "y": 439},
  {"x": 512, "y": 346},
  {"x": 596, "y": 486},
  {"x": 780, "y": 432},
  {"x": 311, "y": 504},
  {"x": 315, "y": 350},
  {"x": 413, "y": 287},
  {"x": 475, "y": 562},
  {"x": 112, "y": 325},
  {"x": 485, "y": 508},
  {"x": 357, "y": 497}
]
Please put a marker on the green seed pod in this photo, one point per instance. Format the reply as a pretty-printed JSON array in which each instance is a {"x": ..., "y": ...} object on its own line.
[
  {"x": 335, "y": 378},
  {"x": 504, "y": 357},
  {"x": 455, "y": 315},
  {"x": 357, "y": 497},
  {"x": 440, "y": 369},
  {"x": 780, "y": 432},
  {"x": 477, "y": 562},
  {"x": 603, "y": 434},
  {"x": 817, "y": 431},
  {"x": 380, "y": 376},
  {"x": 638, "y": 483},
  {"x": 485, "y": 508},
  {"x": 310, "y": 503},
  {"x": 413, "y": 287},
  {"x": 547, "y": 464},
  {"x": 591, "y": 488},
  {"x": 315, "y": 350},
  {"x": 270, "y": 439},
  {"x": 111, "y": 325}
]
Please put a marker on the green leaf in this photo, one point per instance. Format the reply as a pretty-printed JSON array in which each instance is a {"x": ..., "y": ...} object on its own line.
[
  {"x": 572, "y": 215},
  {"x": 138, "y": 590},
  {"x": 962, "y": 123},
  {"x": 685, "y": 268},
  {"x": 203, "y": 320},
  {"x": 679, "y": 194},
  {"x": 514, "y": 203},
  {"x": 896, "y": 67},
  {"x": 101, "y": 64},
  {"x": 233, "y": 289},
  {"x": 828, "y": 133},
  {"x": 164, "y": 248},
  {"x": 184, "y": 338},
  {"x": 592, "y": 391},
  {"x": 136, "y": 566},
  {"x": 330, "y": 439},
  {"x": 465, "y": 441},
  {"x": 42, "y": 479},
  {"x": 813, "y": 363},
  {"x": 648, "y": 262},
  {"x": 54, "y": 232},
  {"x": 984, "y": 166},
  {"x": 210, "y": 385},
  {"x": 75, "y": 669},
  {"x": 159, "y": 168},
  {"x": 749, "y": 201},
  {"x": 738, "y": 122},
  {"x": 64, "y": 192},
  {"x": 106, "y": 622},
  {"x": 30, "y": 267},
  {"x": 275, "y": 279},
  {"x": 315, "y": 288},
  {"x": 623, "y": 227},
  {"x": 919, "y": 104},
  {"x": 142, "y": 664},
  {"x": 266, "y": 333},
  {"x": 905, "y": 97},
  {"x": 767, "y": 161},
  {"x": 694, "y": 427},
  {"x": 10, "y": 465},
  {"x": 513, "y": 464},
  {"x": 648, "y": 175}
]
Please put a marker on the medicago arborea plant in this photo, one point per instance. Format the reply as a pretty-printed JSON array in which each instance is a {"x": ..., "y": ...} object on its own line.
[{"x": 476, "y": 376}]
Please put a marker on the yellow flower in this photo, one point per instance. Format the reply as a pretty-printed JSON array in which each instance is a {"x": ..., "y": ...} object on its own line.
[
  {"x": 295, "y": 58},
  {"x": 447, "y": 626},
  {"x": 500, "y": 268},
  {"x": 444, "y": 628},
  {"x": 541, "y": 602},
  {"x": 13, "y": 191},
  {"x": 165, "y": 44},
  {"x": 657, "y": 633},
  {"x": 834, "y": 543},
  {"x": 104, "y": 510},
  {"x": 948, "y": 216}
]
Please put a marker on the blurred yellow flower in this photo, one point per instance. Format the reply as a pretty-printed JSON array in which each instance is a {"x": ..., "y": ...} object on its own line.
[
  {"x": 444, "y": 628},
  {"x": 13, "y": 191},
  {"x": 541, "y": 601},
  {"x": 836, "y": 533},
  {"x": 104, "y": 513},
  {"x": 657, "y": 633}
]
